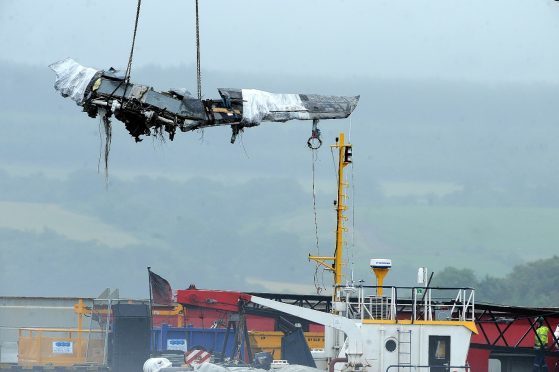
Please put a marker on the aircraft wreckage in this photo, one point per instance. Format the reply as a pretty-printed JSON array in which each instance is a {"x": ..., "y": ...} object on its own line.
[{"x": 146, "y": 111}]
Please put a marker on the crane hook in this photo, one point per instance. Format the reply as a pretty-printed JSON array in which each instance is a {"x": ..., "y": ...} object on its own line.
[{"x": 314, "y": 142}]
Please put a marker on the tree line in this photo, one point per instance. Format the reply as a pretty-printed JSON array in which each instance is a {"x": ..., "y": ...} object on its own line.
[{"x": 533, "y": 284}]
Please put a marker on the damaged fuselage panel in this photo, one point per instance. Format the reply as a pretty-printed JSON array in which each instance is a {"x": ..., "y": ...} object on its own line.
[{"x": 145, "y": 111}]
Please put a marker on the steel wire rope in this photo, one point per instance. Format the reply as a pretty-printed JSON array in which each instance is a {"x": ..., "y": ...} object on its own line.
[
  {"x": 336, "y": 177},
  {"x": 129, "y": 67},
  {"x": 352, "y": 246},
  {"x": 198, "y": 63},
  {"x": 243, "y": 145},
  {"x": 314, "y": 160},
  {"x": 335, "y": 168},
  {"x": 334, "y": 165},
  {"x": 314, "y": 157},
  {"x": 105, "y": 118}
]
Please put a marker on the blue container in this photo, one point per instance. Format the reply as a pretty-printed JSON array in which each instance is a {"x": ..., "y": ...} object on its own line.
[{"x": 169, "y": 338}]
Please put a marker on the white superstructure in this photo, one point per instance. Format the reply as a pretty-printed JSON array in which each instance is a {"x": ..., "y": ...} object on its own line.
[
  {"x": 407, "y": 328},
  {"x": 380, "y": 328}
]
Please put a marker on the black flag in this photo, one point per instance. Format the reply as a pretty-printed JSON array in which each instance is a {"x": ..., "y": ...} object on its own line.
[{"x": 160, "y": 289}]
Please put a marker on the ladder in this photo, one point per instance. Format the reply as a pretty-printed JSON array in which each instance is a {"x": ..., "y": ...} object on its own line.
[{"x": 404, "y": 348}]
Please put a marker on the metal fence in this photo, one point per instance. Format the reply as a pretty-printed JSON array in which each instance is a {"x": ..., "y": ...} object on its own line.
[
  {"x": 56, "y": 346},
  {"x": 431, "y": 368},
  {"x": 423, "y": 303}
]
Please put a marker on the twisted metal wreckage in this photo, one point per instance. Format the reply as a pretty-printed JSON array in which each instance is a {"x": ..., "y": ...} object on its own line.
[{"x": 145, "y": 111}]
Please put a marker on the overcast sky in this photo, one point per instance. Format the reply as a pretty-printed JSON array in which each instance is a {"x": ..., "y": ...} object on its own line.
[
  {"x": 495, "y": 40},
  {"x": 468, "y": 112}
]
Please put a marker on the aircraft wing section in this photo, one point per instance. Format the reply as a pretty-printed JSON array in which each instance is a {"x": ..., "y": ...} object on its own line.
[
  {"x": 257, "y": 105},
  {"x": 146, "y": 111}
]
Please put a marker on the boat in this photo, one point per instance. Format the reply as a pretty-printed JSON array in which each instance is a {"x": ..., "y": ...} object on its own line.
[{"x": 373, "y": 328}]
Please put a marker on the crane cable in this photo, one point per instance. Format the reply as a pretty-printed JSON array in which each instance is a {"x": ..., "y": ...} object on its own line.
[
  {"x": 129, "y": 67},
  {"x": 352, "y": 181},
  {"x": 314, "y": 159},
  {"x": 104, "y": 115},
  {"x": 198, "y": 69},
  {"x": 351, "y": 256}
]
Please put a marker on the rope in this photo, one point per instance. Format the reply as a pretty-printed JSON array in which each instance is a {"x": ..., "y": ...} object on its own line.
[
  {"x": 105, "y": 121},
  {"x": 352, "y": 207},
  {"x": 352, "y": 219},
  {"x": 335, "y": 167},
  {"x": 243, "y": 145},
  {"x": 129, "y": 67},
  {"x": 198, "y": 70},
  {"x": 314, "y": 159}
]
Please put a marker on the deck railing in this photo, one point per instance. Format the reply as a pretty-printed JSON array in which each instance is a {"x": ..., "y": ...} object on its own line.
[
  {"x": 430, "y": 368},
  {"x": 415, "y": 303}
]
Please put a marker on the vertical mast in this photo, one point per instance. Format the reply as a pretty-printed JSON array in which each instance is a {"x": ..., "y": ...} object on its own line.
[{"x": 344, "y": 159}]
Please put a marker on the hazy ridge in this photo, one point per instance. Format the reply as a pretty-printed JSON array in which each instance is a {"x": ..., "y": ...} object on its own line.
[{"x": 209, "y": 212}]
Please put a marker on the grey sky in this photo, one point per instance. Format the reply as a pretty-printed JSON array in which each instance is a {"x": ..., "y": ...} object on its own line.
[
  {"x": 451, "y": 98},
  {"x": 498, "y": 40}
]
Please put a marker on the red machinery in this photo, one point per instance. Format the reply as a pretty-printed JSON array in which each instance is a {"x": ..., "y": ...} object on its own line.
[
  {"x": 210, "y": 299},
  {"x": 505, "y": 333}
]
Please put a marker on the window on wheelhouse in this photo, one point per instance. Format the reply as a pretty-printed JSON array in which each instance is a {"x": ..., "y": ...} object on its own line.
[{"x": 439, "y": 353}]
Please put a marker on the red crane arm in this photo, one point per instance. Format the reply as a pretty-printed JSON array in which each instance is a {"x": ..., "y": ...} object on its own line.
[{"x": 212, "y": 299}]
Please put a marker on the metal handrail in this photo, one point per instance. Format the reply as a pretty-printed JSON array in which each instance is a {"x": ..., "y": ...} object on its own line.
[
  {"x": 385, "y": 307},
  {"x": 466, "y": 368},
  {"x": 403, "y": 287}
]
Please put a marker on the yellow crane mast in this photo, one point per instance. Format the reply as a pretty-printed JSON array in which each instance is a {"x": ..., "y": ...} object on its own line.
[{"x": 344, "y": 159}]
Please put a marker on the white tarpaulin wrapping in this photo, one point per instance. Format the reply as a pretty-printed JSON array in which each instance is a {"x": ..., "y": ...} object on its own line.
[
  {"x": 259, "y": 106},
  {"x": 72, "y": 78},
  {"x": 155, "y": 364}
]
